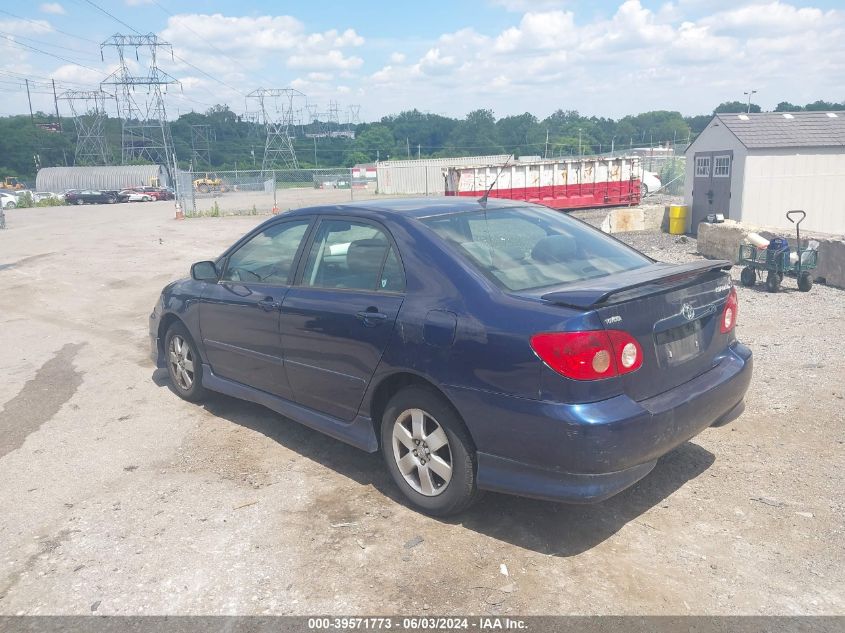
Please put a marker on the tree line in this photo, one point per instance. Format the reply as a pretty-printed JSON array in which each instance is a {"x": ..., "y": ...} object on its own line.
[{"x": 239, "y": 144}]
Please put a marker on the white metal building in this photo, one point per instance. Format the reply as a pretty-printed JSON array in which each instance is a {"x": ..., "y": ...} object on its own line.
[
  {"x": 59, "y": 179},
  {"x": 755, "y": 167},
  {"x": 425, "y": 176}
]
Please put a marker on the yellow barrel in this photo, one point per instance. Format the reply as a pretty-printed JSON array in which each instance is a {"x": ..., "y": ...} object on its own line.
[{"x": 678, "y": 219}]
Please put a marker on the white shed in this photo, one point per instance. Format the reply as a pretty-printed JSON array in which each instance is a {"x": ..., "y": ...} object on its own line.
[{"x": 755, "y": 167}]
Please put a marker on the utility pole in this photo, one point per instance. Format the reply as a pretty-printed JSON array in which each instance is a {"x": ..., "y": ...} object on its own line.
[
  {"x": 29, "y": 98},
  {"x": 408, "y": 146},
  {"x": 579, "y": 143},
  {"x": 748, "y": 94},
  {"x": 546, "y": 150},
  {"x": 419, "y": 151},
  {"x": 315, "y": 153},
  {"x": 56, "y": 101}
]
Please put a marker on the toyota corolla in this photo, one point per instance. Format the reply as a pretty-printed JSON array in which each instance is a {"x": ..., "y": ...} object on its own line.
[{"x": 479, "y": 345}]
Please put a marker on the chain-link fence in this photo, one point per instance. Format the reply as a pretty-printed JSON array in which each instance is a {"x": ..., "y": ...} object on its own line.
[{"x": 212, "y": 193}]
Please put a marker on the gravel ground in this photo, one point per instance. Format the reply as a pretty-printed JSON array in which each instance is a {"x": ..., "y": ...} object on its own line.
[{"x": 119, "y": 498}]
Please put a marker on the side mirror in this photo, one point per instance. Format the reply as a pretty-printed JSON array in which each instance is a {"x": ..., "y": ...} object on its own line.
[{"x": 204, "y": 271}]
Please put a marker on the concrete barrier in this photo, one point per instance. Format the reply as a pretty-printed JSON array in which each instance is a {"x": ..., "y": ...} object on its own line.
[{"x": 721, "y": 241}]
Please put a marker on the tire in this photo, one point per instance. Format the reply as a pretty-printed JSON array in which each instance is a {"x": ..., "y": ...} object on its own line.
[
  {"x": 414, "y": 419},
  {"x": 748, "y": 276},
  {"x": 805, "y": 281},
  {"x": 80, "y": 201},
  {"x": 184, "y": 366},
  {"x": 773, "y": 281},
  {"x": 11, "y": 205},
  {"x": 203, "y": 189},
  {"x": 643, "y": 191}
]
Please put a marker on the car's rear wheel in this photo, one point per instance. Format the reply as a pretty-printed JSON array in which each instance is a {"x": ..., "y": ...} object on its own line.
[
  {"x": 428, "y": 452},
  {"x": 183, "y": 364}
]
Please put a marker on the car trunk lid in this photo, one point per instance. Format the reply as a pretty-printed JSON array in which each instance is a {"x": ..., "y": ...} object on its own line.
[{"x": 674, "y": 312}]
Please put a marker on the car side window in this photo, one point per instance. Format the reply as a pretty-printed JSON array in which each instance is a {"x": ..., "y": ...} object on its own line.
[
  {"x": 353, "y": 255},
  {"x": 269, "y": 256}
]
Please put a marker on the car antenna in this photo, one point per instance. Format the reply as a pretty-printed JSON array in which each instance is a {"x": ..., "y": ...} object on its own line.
[{"x": 483, "y": 199}]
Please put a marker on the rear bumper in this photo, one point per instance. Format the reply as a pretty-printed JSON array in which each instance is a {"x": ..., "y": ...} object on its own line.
[{"x": 588, "y": 452}]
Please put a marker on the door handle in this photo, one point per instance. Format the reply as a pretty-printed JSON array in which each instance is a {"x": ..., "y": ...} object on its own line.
[
  {"x": 371, "y": 317},
  {"x": 268, "y": 304}
]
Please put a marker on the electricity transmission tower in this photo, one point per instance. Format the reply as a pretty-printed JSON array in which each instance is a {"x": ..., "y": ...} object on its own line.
[
  {"x": 88, "y": 109},
  {"x": 140, "y": 101},
  {"x": 201, "y": 137},
  {"x": 277, "y": 109}
]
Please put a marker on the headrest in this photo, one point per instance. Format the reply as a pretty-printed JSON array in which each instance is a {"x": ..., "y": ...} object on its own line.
[
  {"x": 554, "y": 249},
  {"x": 366, "y": 256}
]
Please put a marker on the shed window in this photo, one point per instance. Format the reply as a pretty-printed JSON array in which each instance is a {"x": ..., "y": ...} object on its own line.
[
  {"x": 722, "y": 166},
  {"x": 702, "y": 167}
]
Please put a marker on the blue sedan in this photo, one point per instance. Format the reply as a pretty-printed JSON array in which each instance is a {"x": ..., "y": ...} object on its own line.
[{"x": 479, "y": 345}]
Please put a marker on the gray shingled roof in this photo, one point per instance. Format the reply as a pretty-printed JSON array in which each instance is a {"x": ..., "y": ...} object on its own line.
[{"x": 773, "y": 129}]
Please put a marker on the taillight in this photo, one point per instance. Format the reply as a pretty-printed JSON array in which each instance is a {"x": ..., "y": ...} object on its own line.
[
  {"x": 730, "y": 312},
  {"x": 590, "y": 355}
]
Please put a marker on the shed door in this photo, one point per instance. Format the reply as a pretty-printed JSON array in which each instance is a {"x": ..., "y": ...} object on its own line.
[{"x": 711, "y": 192}]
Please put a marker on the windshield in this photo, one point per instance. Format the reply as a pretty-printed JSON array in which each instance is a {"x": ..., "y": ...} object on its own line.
[{"x": 523, "y": 248}]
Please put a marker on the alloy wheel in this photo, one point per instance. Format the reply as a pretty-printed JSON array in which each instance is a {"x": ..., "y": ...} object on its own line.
[
  {"x": 181, "y": 362},
  {"x": 422, "y": 453}
]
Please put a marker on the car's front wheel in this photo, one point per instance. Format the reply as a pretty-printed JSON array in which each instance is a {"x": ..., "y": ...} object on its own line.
[
  {"x": 428, "y": 452},
  {"x": 183, "y": 364}
]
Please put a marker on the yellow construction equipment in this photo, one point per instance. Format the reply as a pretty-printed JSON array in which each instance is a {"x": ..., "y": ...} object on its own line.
[
  {"x": 10, "y": 182},
  {"x": 208, "y": 184}
]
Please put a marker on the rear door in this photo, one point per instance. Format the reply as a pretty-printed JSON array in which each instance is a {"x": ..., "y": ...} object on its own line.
[
  {"x": 338, "y": 318},
  {"x": 678, "y": 329}
]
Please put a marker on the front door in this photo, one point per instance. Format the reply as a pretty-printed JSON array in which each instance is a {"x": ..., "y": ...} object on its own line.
[
  {"x": 239, "y": 316},
  {"x": 338, "y": 319},
  {"x": 711, "y": 191}
]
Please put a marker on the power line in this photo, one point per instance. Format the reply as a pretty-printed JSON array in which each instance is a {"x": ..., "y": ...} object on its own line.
[
  {"x": 38, "y": 50},
  {"x": 18, "y": 17},
  {"x": 21, "y": 37}
]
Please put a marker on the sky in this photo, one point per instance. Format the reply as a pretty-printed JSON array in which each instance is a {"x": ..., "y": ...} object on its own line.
[{"x": 603, "y": 57}]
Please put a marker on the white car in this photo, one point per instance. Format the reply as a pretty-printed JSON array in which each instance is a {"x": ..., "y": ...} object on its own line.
[
  {"x": 134, "y": 196},
  {"x": 38, "y": 196},
  {"x": 650, "y": 183},
  {"x": 8, "y": 200}
]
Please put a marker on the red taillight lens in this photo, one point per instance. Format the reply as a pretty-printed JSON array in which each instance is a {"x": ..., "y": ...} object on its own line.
[
  {"x": 591, "y": 355},
  {"x": 730, "y": 312},
  {"x": 628, "y": 353}
]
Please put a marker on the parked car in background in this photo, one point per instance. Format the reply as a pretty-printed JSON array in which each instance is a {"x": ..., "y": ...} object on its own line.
[
  {"x": 166, "y": 193},
  {"x": 480, "y": 345},
  {"x": 90, "y": 196},
  {"x": 134, "y": 195},
  {"x": 38, "y": 196},
  {"x": 8, "y": 200},
  {"x": 650, "y": 182}
]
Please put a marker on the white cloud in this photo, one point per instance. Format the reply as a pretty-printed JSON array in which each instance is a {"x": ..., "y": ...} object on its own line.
[
  {"x": 397, "y": 58},
  {"x": 636, "y": 59},
  {"x": 331, "y": 59},
  {"x": 53, "y": 8}
]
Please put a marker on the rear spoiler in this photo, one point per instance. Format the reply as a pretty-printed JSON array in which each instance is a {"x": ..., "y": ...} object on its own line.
[{"x": 592, "y": 292}]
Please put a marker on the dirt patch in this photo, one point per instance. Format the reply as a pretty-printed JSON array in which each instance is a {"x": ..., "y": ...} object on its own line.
[{"x": 54, "y": 384}]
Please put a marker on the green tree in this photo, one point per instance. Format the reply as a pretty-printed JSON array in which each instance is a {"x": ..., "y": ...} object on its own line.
[
  {"x": 785, "y": 106},
  {"x": 735, "y": 106}
]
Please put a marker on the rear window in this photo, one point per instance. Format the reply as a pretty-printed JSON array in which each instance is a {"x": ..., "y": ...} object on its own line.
[{"x": 524, "y": 248}]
